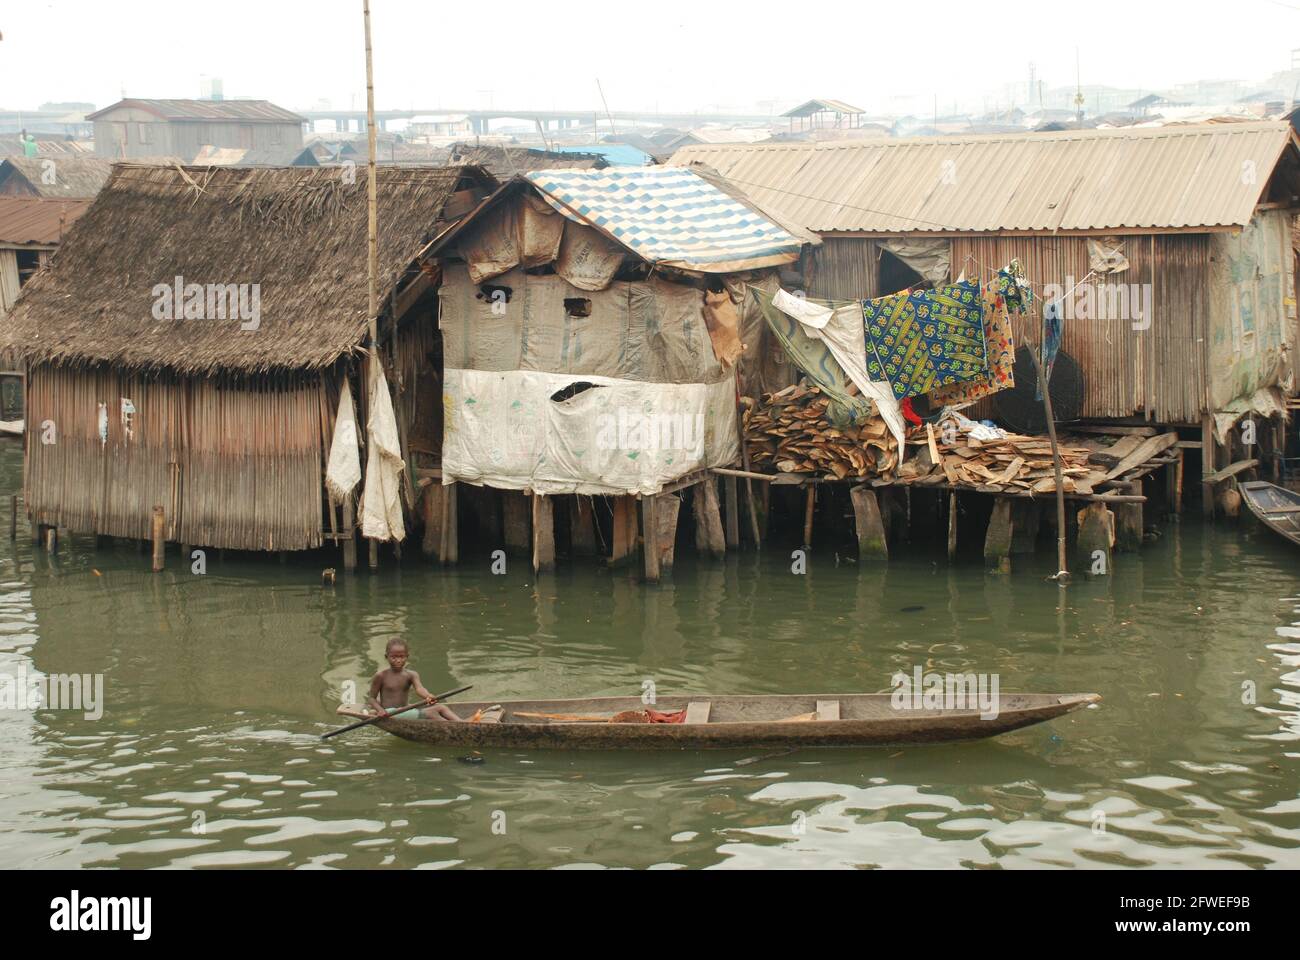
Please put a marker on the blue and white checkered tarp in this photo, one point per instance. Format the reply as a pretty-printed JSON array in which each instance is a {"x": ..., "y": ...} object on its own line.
[{"x": 669, "y": 216}]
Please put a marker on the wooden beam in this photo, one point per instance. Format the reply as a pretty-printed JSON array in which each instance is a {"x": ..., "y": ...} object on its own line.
[
  {"x": 1151, "y": 447},
  {"x": 1207, "y": 464},
  {"x": 709, "y": 538},
  {"x": 650, "y": 539},
  {"x": 1230, "y": 471},
  {"x": 667, "y": 507},
  {"x": 952, "y": 526},
  {"x": 869, "y": 523},
  {"x": 997, "y": 541},
  {"x": 732, "y": 489},
  {"x": 543, "y": 518},
  {"x": 624, "y": 530}
]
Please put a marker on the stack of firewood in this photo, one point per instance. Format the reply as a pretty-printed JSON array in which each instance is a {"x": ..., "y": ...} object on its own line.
[
  {"x": 789, "y": 432},
  {"x": 1012, "y": 463}
]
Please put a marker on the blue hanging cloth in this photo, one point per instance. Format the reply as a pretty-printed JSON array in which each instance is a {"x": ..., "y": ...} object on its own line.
[{"x": 1053, "y": 325}]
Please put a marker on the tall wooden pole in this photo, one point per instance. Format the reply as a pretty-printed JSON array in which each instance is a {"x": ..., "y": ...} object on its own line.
[
  {"x": 372, "y": 237},
  {"x": 1062, "y": 573}
]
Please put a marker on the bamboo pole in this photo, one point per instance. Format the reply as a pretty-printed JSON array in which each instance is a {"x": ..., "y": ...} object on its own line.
[{"x": 372, "y": 234}]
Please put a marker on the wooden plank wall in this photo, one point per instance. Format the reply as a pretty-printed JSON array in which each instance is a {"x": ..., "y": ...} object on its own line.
[{"x": 234, "y": 465}]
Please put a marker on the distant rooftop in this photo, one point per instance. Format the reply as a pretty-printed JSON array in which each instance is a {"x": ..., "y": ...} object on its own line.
[
  {"x": 245, "y": 111},
  {"x": 822, "y": 106}
]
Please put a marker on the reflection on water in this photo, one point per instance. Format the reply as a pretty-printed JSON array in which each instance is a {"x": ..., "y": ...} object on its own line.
[{"x": 218, "y": 687}]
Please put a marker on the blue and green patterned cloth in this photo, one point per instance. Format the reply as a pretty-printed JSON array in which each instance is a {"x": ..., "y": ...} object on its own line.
[{"x": 926, "y": 340}]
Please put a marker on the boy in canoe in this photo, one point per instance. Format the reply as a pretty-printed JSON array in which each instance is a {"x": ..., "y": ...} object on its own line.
[{"x": 390, "y": 688}]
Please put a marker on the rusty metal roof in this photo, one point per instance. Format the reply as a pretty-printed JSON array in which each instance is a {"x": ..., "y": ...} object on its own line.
[
  {"x": 1165, "y": 178},
  {"x": 244, "y": 111},
  {"x": 34, "y": 221}
]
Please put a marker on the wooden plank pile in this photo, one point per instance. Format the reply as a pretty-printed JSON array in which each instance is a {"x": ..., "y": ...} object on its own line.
[
  {"x": 789, "y": 432},
  {"x": 1011, "y": 464}
]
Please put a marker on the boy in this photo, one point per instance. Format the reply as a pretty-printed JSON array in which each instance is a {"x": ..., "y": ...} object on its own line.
[{"x": 390, "y": 688}]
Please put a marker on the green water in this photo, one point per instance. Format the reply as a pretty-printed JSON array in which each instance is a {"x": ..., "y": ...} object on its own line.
[{"x": 217, "y": 688}]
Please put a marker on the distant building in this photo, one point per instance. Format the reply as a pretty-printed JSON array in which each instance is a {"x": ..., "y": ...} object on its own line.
[
  {"x": 149, "y": 128},
  {"x": 824, "y": 113},
  {"x": 440, "y": 125}
]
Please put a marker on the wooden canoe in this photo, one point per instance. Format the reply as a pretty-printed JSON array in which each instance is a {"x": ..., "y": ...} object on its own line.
[
  {"x": 1276, "y": 507},
  {"x": 820, "y": 720}
]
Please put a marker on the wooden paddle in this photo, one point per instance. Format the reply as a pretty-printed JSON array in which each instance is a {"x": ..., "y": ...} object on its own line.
[{"x": 392, "y": 713}]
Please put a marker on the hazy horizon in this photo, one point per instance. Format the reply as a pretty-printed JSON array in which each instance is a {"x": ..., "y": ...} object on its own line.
[{"x": 669, "y": 57}]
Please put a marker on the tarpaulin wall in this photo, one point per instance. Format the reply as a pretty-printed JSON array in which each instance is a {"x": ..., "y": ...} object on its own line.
[{"x": 618, "y": 391}]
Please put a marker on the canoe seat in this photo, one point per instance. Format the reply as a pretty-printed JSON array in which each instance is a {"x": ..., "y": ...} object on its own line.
[
  {"x": 828, "y": 709},
  {"x": 697, "y": 711}
]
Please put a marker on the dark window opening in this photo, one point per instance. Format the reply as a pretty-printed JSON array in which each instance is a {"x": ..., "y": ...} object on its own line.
[
  {"x": 577, "y": 306},
  {"x": 895, "y": 275},
  {"x": 489, "y": 291},
  {"x": 29, "y": 261}
]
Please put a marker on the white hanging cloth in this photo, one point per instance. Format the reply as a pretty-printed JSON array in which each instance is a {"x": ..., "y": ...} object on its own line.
[
  {"x": 381, "y": 503},
  {"x": 344, "y": 470}
]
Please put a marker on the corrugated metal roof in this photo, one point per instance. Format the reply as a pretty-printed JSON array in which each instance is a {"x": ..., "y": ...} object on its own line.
[
  {"x": 31, "y": 220},
  {"x": 245, "y": 111},
  {"x": 72, "y": 178},
  {"x": 1087, "y": 180},
  {"x": 671, "y": 217}
]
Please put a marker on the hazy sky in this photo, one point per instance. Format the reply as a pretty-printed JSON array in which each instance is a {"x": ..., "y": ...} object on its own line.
[{"x": 670, "y": 54}]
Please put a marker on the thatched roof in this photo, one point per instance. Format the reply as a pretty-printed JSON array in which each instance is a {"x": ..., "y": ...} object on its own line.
[{"x": 298, "y": 233}]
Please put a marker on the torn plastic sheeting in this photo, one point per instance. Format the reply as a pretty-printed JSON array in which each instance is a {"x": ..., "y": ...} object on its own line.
[
  {"x": 1266, "y": 403},
  {"x": 492, "y": 246},
  {"x": 722, "y": 320},
  {"x": 587, "y": 259},
  {"x": 932, "y": 259},
  {"x": 540, "y": 231},
  {"x": 652, "y": 331},
  {"x": 628, "y": 437}
]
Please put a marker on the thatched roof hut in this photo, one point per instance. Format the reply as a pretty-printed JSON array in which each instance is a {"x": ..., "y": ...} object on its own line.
[
  {"x": 298, "y": 233},
  {"x": 145, "y": 389},
  {"x": 54, "y": 178}
]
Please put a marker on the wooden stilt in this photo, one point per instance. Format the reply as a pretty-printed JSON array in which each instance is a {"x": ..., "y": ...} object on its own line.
[
  {"x": 810, "y": 504},
  {"x": 373, "y": 557},
  {"x": 157, "y": 528},
  {"x": 1208, "y": 467},
  {"x": 952, "y": 526},
  {"x": 582, "y": 527},
  {"x": 868, "y": 523},
  {"x": 667, "y": 507},
  {"x": 1096, "y": 538},
  {"x": 709, "y": 538},
  {"x": 515, "y": 517},
  {"x": 1128, "y": 521},
  {"x": 449, "y": 551},
  {"x": 543, "y": 515},
  {"x": 349, "y": 537},
  {"x": 52, "y": 540},
  {"x": 732, "y": 489},
  {"x": 431, "y": 512},
  {"x": 650, "y": 539},
  {"x": 13, "y": 517},
  {"x": 624, "y": 530},
  {"x": 997, "y": 541},
  {"x": 1174, "y": 483}
]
